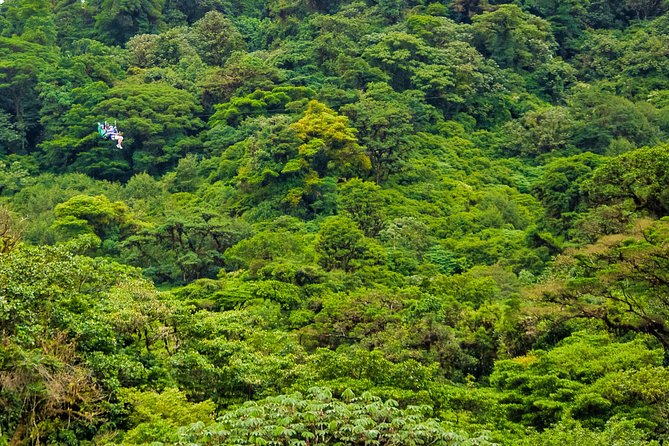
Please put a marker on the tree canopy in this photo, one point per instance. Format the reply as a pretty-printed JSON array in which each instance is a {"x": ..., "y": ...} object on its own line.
[{"x": 347, "y": 222}]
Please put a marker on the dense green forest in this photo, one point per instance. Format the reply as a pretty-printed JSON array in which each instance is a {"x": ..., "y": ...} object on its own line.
[{"x": 334, "y": 222}]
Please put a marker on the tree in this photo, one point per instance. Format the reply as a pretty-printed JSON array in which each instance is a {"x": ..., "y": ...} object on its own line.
[
  {"x": 9, "y": 136},
  {"x": 330, "y": 146},
  {"x": 156, "y": 416},
  {"x": 561, "y": 185},
  {"x": 14, "y": 177},
  {"x": 187, "y": 241},
  {"x": 553, "y": 78},
  {"x": 616, "y": 14},
  {"x": 394, "y": 53},
  {"x": 277, "y": 246},
  {"x": 606, "y": 14},
  {"x": 340, "y": 244},
  {"x": 541, "y": 131},
  {"x": 186, "y": 12},
  {"x": 385, "y": 126},
  {"x": 59, "y": 311},
  {"x": 10, "y": 230},
  {"x": 406, "y": 233},
  {"x": 466, "y": 9},
  {"x": 620, "y": 280},
  {"x": 260, "y": 102},
  {"x": 616, "y": 432},
  {"x": 448, "y": 69},
  {"x": 20, "y": 64},
  {"x": 69, "y": 95},
  {"x": 603, "y": 118},
  {"x": 83, "y": 214},
  {"x": 638, "y": 176},
  {"x": 363, "y": 203},
  {"x": 119, "y": 20},
  {"x": 391, "y": 10},
  {"x": 25, "y": 16},
  {"x": 74, "y": 20},
  {"x": 158, "y": 121},
  {"x": 567, "y": 19},
  {"x": 243, "y": 73},
  {"x": 513, "y": 38},
  {"x": 643, "y": 9},
  {"x": 41, "y": 384},
  {"x": 544, "y": 387},
  {"x": 299, "y": 162},
  {"x": 215, "y": 38},
  {"x": 339, "y": 36},
  {"x": 320, "y": 418},
  {"x": 161, "y": 50}
]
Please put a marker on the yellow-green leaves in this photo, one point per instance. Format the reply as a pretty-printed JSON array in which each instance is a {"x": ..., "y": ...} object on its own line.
[
  {"x": 329, "y": 143},
  {"x": 98, "y": 215}
]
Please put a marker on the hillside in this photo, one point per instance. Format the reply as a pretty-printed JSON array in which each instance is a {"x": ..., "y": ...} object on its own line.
[{"x": 376, "y": 222}]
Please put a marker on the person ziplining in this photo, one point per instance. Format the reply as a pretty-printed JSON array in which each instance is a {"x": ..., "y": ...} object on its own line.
[{"x": 108, "y": 131}]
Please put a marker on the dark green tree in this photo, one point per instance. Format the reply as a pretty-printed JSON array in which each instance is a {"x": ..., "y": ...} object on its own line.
[
  {"x": 561, "y": 186},
  {"x": 638, "y": 176},
  {"x": 20, "y": 63},
  {"x": 385, "y": 126},
  {"x": 215, "y": 38},
  {"x": 603, "y": 118},
  {"x": 117, "y": 21},
  {"x": 363, "y": 202},
  {"x": 158, "y": 121},
  {"x": 513, "y": 38}
]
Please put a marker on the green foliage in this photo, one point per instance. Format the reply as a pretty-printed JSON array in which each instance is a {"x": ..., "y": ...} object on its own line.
[
  {"x": 627, "y": 59},
  {"x": 300, "y": 161},
  {"x": 426, "y": 218},
  {"x": 567, "y": 18},
  {"x": 188, "y": 242},
  {"x": 270, "y": 248},
  {"x": 513, "y": 38},
  {"x": 615, "y": 280},
  {"x": 616, "y": 432},
  {"x": 384, "y": 127},
  {"x": 541, "y": 131},
  {"x": 117, "y": 21},
  {"x": 154, "y": 117},
  {"x": 328, "y": 143},
  {"x": 215, "y": 37},
  {"x": 258, "y": 102},
  {"x": 637, "y": 176},
  {"x": 362, "y": 202},
  {"x": 52, "y": 302},
  {"x": 21, "y": 62},
  {"x": 542, "y": 387},
  {"x": 96, "y": 215},
  {"x": 10, "y": 230},
  {"x": 341, "y": 244},
  {"x": 243, "y": 72},
  {"x": 454, "y": 76},
  {"x": 156, "y": 416},
  {"x": 560, "y": 187},
  {"x": 161, "y": 50},
  {"x": 320, "y": 418},
  {"x": 610, "y": 118},
  {"x": 562, "y": 191}
]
